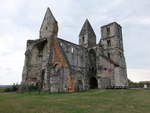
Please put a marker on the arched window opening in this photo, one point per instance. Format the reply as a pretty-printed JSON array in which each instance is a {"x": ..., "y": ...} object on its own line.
[
  {"x": 108, "y": 43},
  {"x": 108, "y": 55},
  {"x": 83, "y": 39},
  {"x": 46, "y": 28},
  {"x": 108, "y": 30},
  {"x": 72, "y": 50}
]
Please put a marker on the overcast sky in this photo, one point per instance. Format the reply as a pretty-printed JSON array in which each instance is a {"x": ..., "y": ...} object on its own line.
[{"x": 20, "y": 20}]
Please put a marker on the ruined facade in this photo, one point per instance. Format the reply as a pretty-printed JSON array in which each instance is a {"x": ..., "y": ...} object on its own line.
[{"x": 62, "y": 66}]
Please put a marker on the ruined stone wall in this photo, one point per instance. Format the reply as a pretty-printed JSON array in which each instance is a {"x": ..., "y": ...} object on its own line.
[
  {"x": 57, "y": 69},
  {"x": 34, "y": 61},
  {"x": 77, "y": 57},
  {"x": 105, "y": 69},
  {"x": 120, "y": 78}
]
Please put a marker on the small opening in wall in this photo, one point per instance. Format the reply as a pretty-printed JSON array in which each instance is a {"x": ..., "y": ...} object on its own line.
[
  {"x": 108, "y": 55},
  {"x": 46, "y": 28},
  {"x": 83, "y": 39},
  {"x": 120, "y": 53},
  {"x": 108, "y": 30},
  {"x": 108, "y": 43},
  {"x": 72, "y": 50},
  {"x": 33, "y": 79},
  {"x": 93, "y": 69},
  {"x": 105, "y": 69}
]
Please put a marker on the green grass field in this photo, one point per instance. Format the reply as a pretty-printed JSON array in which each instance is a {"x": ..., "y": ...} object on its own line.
[{"x": 92, "y": 101}]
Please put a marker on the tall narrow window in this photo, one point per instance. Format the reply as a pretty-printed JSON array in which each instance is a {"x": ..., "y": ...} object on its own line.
[
  {"x": 83, "y": 39},
  {"x": 72, "y": 50},
  {"x": 108, "y": 43},
  {"x": 120, "y": 54},
  {"x": 108, "y": 55},
  {"x": 108, "y": 30},
  {"x": 46, "y": 28}
]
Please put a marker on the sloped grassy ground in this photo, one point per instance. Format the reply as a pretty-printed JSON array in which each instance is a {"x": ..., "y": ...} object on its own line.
[{"x": 92, "y": 101}]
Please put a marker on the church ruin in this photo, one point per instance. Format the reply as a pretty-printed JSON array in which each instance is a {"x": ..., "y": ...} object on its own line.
[{"x": 62, "y": 66}]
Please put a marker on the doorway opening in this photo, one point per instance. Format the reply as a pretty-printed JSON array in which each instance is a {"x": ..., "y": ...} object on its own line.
[{"x": 93, "y": 83}]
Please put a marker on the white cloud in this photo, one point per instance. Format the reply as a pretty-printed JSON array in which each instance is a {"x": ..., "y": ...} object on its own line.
[
  {"x": 137, "y": 20},
  {"x": 137, "y": 75}
]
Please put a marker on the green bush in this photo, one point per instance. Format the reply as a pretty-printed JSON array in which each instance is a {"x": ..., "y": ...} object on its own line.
[
  {"x": 12, "y": 88},
  {"x": 138, "y": 84},
  {"x": 27, "y": 87},
  {"x": 33, "y": 87}
]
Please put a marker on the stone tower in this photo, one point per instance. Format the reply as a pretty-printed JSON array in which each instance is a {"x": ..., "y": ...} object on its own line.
[
  {"x": 87, "y": 37},
  {"x": 49, "y": 27},
  {"x": 112, "y": 43}
]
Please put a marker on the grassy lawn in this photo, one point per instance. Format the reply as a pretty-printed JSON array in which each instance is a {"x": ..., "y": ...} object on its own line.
[{"x": 93, "y": 101}]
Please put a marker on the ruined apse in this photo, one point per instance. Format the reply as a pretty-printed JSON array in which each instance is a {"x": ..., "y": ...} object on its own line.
[{"x": 57, "y": 65}]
